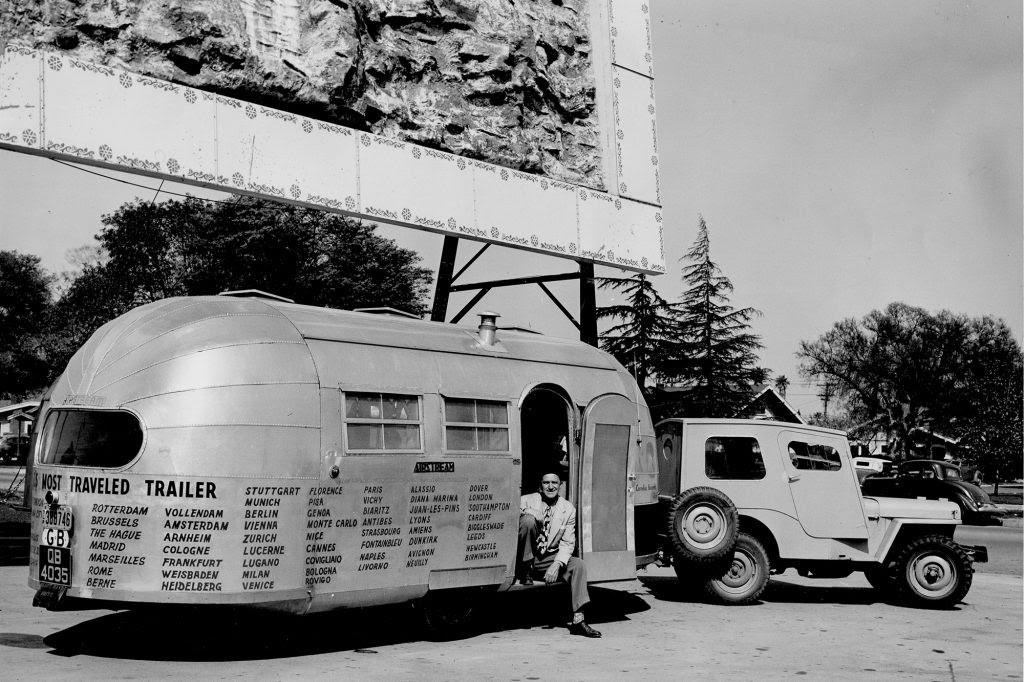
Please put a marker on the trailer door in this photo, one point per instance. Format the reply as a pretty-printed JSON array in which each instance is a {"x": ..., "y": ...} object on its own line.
[{"x": 606, "y": 491}]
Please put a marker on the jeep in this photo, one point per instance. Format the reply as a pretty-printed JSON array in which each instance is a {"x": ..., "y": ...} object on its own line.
[{"x": 743, "y": 499}]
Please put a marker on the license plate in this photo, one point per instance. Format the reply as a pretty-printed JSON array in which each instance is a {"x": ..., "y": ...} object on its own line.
[
  {"x": 56, "y": 537},
  {"x": 57, "y": 516},
  {"x": 55, "y": 565}
]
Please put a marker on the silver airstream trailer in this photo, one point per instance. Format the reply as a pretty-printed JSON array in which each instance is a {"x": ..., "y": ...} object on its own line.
[{"x": 231, "y": 450}]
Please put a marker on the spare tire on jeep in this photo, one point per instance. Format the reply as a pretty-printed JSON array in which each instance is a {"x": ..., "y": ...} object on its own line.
[{"x": 701, "y": 525}]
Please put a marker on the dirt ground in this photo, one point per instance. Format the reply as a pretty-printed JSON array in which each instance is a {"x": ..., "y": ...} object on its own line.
[{"x": 834, "y": 629}]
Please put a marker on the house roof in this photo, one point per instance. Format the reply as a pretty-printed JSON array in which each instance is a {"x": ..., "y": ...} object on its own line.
[
  {"x": 27, "y": 409},
  {"x": 936, "y": 436},
  {"x": 775, "y": 403}
]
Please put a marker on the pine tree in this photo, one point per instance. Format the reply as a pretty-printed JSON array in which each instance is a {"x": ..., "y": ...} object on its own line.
[
  {"x": 719, "y": 360},
  {"x": 646, "y": 339}
]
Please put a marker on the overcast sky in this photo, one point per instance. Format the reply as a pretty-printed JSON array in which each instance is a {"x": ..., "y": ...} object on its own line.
[{"x": 844, "y": 155}]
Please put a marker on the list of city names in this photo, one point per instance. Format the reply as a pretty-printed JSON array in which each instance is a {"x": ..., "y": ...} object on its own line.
[
  {"x": 323, "y": 530},
  {"x": 203, "y": 538},
  {"x": 484, "y": 522},
  {"x": 263, "y": 540}
]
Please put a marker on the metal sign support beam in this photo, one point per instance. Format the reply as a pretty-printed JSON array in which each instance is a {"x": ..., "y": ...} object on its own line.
[
  {"x": 444, "y": 278},
  {"x": 587, "y": 323}
]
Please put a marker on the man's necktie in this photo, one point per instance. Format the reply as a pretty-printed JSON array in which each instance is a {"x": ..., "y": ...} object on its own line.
[{"x": 545, "y": 530}]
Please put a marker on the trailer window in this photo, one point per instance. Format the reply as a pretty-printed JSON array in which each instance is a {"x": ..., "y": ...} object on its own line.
[
  {"x": 733, "y": 457},
  {"x": 814, "y": 456},
  {"x": 382, "y": 421},
  {"x": 90, "y": 438},
  {"x": 476, "y": 425}
]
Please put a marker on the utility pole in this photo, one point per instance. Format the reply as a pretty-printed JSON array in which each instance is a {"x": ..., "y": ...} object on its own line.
[{"x": 827, "y": 391}]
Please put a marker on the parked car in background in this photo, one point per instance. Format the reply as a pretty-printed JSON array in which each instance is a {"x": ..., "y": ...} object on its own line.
[
  {"x": 935, "y": 480},
  {"x": 869, "y": 465},
  {"x": 13, "y": 449}
]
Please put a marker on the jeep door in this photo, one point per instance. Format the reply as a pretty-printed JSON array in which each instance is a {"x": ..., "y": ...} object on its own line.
[{"x": 823, "y": 485}]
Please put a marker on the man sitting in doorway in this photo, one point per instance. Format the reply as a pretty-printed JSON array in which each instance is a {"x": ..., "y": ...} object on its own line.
[{"x": 547, "y": 537}]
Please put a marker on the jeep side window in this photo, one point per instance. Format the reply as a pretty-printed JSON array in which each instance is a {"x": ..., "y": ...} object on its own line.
[
  {"x": 814, "y": 456},
  {"x": 731, "y": 457}
]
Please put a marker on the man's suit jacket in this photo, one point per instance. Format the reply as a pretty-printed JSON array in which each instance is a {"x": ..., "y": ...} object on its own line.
[{"x": 562, "y": 535}]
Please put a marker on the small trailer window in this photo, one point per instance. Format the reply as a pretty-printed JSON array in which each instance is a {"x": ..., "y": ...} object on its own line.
[
  {"x": 476, "y": 425},
  {"x": 733, "y": 457},
  {"x": 382, "y": 421},
  {"x": 90, "y": 438}
]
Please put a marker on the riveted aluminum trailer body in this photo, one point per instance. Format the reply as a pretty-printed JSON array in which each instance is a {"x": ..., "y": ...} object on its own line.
[{"x": 224, "y": 450}]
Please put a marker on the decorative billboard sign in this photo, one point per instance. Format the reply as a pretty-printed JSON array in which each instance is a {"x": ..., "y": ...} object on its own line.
[{"x": 591, "y": 192}]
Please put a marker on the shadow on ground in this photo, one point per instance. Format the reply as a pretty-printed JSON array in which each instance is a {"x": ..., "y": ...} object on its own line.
[
  {"x": 14, "y": 543},
  {"x": 229, "y": 635},
  {"x": 668, "y": 588}
]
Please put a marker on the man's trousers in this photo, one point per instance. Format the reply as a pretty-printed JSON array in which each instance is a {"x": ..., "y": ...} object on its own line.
[{"x": 574, "y": 573}]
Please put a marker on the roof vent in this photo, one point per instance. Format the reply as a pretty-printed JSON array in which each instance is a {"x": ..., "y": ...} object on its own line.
[
  {"x": 255, "y": 293},
  {"x": 488, "y": 329}
]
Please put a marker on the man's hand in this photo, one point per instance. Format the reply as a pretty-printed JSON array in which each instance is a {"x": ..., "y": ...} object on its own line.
[{"x": 551, "y": 575}]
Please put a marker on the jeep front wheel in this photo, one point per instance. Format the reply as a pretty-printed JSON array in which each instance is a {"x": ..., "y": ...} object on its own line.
[
  {"x": 746, "y": 577},
  {"x": 702, "y": 525},
  {"x": 933, "y": 572}
]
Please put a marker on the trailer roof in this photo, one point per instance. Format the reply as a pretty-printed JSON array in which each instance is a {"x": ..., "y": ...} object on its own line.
[{"x": 396, "y": 332}]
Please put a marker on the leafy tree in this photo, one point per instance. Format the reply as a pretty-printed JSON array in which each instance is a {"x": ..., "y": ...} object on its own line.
[
  {"x": 24, "y": 300},
  {"x": 197, "y": 247},
  {"x": 989, "y": 419},
  {"x": 646, "y": 338},
  {"x": 904, "y": 368},
  {"x": 717, "y": 365},
  {"x": 760, "y": 375}
]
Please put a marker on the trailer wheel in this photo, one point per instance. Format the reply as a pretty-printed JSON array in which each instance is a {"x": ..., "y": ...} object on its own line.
[
  {"x": 702, "y": 525},
  {"x": 446, "y": 616},
  {"x": 747, "y": 575},
  {"x": 933, "y": 572}
]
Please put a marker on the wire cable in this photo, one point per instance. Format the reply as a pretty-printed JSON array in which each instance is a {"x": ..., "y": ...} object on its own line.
[{"x": 135, "y": 184}]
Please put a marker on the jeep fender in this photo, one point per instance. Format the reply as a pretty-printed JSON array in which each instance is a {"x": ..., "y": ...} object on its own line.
[{"x": 905, "y": 529}]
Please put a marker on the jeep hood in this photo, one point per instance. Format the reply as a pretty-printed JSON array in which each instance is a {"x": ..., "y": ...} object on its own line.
[{"x": 902, "y": 508}]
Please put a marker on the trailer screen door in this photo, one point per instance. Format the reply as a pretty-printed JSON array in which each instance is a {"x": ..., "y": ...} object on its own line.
[{"x": 609, "y": 425}]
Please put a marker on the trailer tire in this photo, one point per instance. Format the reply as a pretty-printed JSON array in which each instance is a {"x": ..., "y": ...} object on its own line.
[
  {"x": 446, "y": 616},
  {"x": 701, "y": 524},
  {"x": 933, "y": 572},
  {"x": 746, "y": 576}
]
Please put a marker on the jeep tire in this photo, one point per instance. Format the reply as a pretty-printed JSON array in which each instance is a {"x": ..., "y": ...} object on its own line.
[
  {"x": 701, "y": 525},
  {"x": 881, "y": 578},
  {"x": 747, "y": 575},
  {"x": 933, "y": 572}
]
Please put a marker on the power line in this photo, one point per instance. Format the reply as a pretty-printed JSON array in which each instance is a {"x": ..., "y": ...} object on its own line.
[{"x": 135, "y": 184}]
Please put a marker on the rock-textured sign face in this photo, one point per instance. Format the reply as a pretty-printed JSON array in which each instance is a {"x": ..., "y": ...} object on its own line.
[
  {"x": 507, "y": 82},
  {"x": 529, "y": 124}
]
